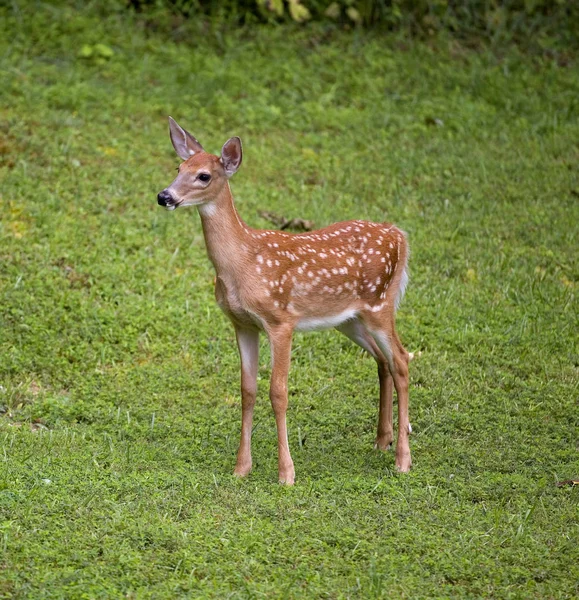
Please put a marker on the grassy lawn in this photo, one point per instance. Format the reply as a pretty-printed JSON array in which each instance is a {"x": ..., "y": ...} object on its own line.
[{"x": 119, "y": 375}]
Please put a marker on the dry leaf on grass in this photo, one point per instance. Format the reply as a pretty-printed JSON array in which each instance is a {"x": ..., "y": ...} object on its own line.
[{"x": 284, "y": 223}]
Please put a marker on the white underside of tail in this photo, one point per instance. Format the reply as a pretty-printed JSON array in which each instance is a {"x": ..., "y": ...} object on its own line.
[{"x": 402, "y": 286}]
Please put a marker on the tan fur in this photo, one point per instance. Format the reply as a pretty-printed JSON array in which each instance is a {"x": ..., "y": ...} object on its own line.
[{"x": 348, "y": 275}]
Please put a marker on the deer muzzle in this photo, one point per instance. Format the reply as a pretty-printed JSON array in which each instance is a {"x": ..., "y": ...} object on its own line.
[{"x": 164, "y": 198}]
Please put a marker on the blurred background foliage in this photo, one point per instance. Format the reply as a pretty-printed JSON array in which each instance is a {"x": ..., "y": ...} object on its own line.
[{"x": 541, "y": 22}]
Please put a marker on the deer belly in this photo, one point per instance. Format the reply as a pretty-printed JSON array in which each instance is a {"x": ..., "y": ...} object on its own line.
[{"x": 326, "y": 321}]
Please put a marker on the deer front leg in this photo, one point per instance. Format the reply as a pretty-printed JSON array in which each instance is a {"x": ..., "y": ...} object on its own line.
[
  {"x": 248, "y": 344},
  {"x": 281, "y": 341}
]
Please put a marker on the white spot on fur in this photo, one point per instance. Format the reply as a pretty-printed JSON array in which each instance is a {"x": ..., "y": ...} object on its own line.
[{"x": 376, "y": 308}]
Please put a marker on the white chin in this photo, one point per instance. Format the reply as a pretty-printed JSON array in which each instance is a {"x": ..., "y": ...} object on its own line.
[{"x": 173, "y": 207}]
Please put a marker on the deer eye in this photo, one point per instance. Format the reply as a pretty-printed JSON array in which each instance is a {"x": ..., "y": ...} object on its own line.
[{"x": 204, "y": 176}]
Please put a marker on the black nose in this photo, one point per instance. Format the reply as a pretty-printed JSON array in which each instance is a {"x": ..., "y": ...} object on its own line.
[{"x": 164, "y": 198}]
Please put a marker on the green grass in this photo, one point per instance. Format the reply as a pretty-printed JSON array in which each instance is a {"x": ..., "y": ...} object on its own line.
[{"x": 120, "y": 376}]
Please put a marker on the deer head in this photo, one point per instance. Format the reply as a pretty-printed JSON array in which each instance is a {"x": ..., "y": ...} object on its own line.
[{"x": 202, "y": 176}]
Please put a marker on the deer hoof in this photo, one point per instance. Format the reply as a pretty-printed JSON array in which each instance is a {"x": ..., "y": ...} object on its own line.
[
  {"x": 383, "y": 444},
  {"x": 287, "y": 477},
  {"x": 403, "y": 464},
  {"x": 242, "y": 470}
]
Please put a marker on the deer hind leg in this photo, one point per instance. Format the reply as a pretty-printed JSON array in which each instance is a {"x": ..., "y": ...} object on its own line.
[
  {"x": 356, "y": 331},
  {"x": 248, "y": 344},
  {"x": 381, "y": 328},
  {"x": 281, "y": 341}
]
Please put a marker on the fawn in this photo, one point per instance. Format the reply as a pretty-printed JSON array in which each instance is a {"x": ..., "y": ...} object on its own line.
[{"x": 349, "y": 275}]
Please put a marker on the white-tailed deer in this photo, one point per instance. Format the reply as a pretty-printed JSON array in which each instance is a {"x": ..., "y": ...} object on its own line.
[{"x": 350, "y": 276}]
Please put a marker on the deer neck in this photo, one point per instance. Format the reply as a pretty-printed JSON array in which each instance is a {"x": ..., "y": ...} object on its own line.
[{"x": 225, "y": 233}]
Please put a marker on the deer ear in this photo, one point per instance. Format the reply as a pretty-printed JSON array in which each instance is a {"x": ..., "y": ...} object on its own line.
[
  {"x": 231, "y": 155},
  {"x": 184, "y": 143}
]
